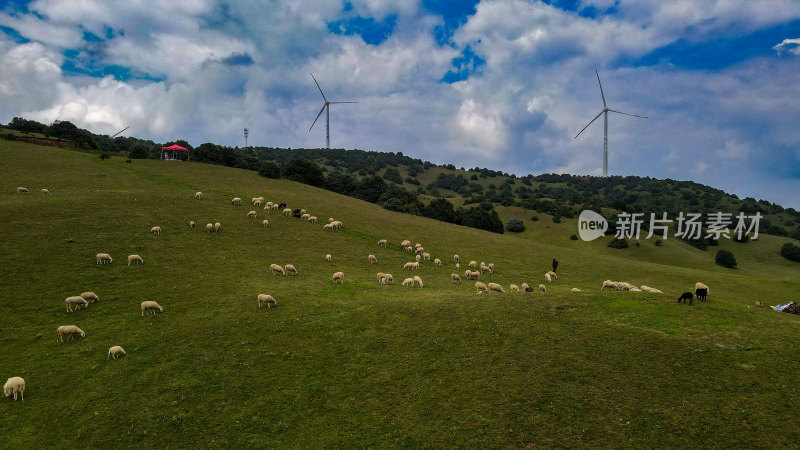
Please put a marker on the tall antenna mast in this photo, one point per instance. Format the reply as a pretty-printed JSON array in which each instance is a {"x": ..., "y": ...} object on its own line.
[{"x": 246, "y": 132}]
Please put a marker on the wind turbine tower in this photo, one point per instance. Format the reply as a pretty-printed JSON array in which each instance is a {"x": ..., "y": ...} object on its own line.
[{"x": 327, "y": 109}]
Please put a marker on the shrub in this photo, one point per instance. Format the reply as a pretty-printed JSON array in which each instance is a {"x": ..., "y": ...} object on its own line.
[
  {"x": 573, "y": 238},
  {"x": 535, "y": 218},
  {"x": 790, "y": 252},
  {"x": 659, "y": 242},
  {"x": 725, "y": 259},
  {"x": 515, "y": 225},
  {"x": 556, "y": 219},
  {"x": 269, "y": 169},
  {"x": 618, "y": 243},
  {"x": 104, "y": 156}
]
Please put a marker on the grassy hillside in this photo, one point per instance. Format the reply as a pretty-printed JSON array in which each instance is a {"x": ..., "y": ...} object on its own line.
[{"x": 364, "y": 365}]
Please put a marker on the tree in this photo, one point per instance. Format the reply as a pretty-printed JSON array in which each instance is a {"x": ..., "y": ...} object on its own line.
[
  {"x": 370, "y": 189},
  {"x": 515, "y": 225},
  {"x": 790, "y": 252},
  {"x": 440, "y": 209},
  {"x": 304, "y": 171},
  {"x": 483, "y": 219},
  {"x": 269, "y": 169},
  {"x": 341, "y": 183},
  {"x": 725, "y": 259},
  {"x": 139, "y": 151}
]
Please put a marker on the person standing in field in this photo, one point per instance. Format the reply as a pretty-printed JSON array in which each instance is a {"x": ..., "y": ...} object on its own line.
[{"x": 555, "y": 264}]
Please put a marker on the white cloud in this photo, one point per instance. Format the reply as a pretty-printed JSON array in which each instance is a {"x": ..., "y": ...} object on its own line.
[{"x": 789, "y": 45}]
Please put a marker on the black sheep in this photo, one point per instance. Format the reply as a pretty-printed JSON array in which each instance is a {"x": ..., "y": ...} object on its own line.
[
  {"x": 282, "y": 205},
  {"x": 701, "y": 294},
  {"x": 686, "y": 296},
  {"x": 297, "y": 213}
]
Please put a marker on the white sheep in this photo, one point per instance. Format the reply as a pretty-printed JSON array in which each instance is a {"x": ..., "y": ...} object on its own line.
[
  {"x": 236, "y": 201},
  {"x": 266, "y": 298},
  {"x": 265, "y": 223},
  {"x": 409, "y": 265},
  {"x": 418, "y": 281},
  {"x": 513, "y": 288},
  {"x": 327, "y": 227},
  {"x": 480, "y": 287},
  {"x": 68, "y": 330},
  {"x": 457, "y": 259},
  {"x": 251, "y": 214},
  {"x": 14, "y": 386},
  {"x": 495, "y": 287},
  {"x": 548, "y": 278},
  {"x": 302, "y": 211},
  {"x": 437, "y": 262},
  {"x": 419, "y": 250},
  {"x": 426, "y": 256},
  {"x": 624, "y": 286},
  {"x": 136, "y": 259},
  {"x": 485, "y": 268},
  {"x": 330, "y": 220},
  {"x": 209, "y": 227},
  {"x": 542, "y": 288},
  {"x": 312, "y": 219},
  {"x": 45, "y": 192},
  {"x": 290, "y": 269},
  {"x": 336, "y": 225},
  {"x": 257, "y": 201},
  {"x": 418, "y": 258},
  {"x": 700, "y": 285},
  {"x": 267, "y": 208},
  {"x": 408, "y": 282},
  {"x": 651, "y": 290},
  {"x": 328, "y": 257},
  {"x": 575, "y": 290},
  {"x": 372, "y": 259},
  {"x": 217, "y": 227},
  {"x": 22, "y": 190},
  {"x": 458, "y": 266},
  {"x": 552, "y": 275},
  {"x": 382, "y": 243},
  {"x": 198, "y": 195},
  {"x": 305, "y": 217},
  {"x": 388, "y": 279},
  {"x": 608, "y": 284},
  {"x": 287, "y": 211},
  {"x": 156, "y": 230},
  {"x": 115, "y": 352},
  {"x": 151, "y": 306},
  {"x": 473, "y": 264},
  {"x": 635, "y": 289},
  {"x": 491, "y": 267},
  {"x": 455, "y": 278},
  {"x": 380, "y": 276},
  {"x": 77, "y": 301},
  {"x": 90, "y": 297},
  {"x": 275, "y": 269},
  {"x": 191, "y": 224},
  {"x": 104, "y": 258},
  {"x": 338, "y": 276},
  {"x": 405, "y": 243}
]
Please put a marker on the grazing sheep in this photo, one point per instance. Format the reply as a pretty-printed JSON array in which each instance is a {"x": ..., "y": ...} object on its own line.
[
  {"x": 405, "y": 243},
  {"x": 265, "y": 223},
  {"x": 302, "y": 211},
  {"x": 336, "y": 224},
  {"x": 380, "y": 277},
  {"x": 514, "y": 288},
  {"x": 22, "y": 190},
  {"x": 68, "y": 330},
  {"x": 338, "y": 276},
  {"x": 548, "y": 278},
  {"x": 198, "y": 195},
  {"x": 45, "y": 192},
  {"x": 649, "y": 289},
  {"x": 759, "y": 305},
  {"x": 473, "y": 264},
  {"x": 495, "y": 287},
  {"x": 635, "y": 289},
  {"x": 257, "y": 202},
  {"x": 266, "y": 298},
  {"x": 700, "y": 285},
  {"x": 276, "y": 269},
  {"x": 305, "y": 217},
  {"x": 151, "y": 306},
  {"x": 191, "y": 224},
  {"x": 76, "y": 301},
  {"x": 410, "y": 265},
  {"x": 480, "y": 287},
  {"x": 104, "y": 258},
  {"x": 156, "y": 230},
  {"x": 388, "y": 279},
  {"x": 312, "y": 219},
  {"x": 14, "y": 386},
  {"x": 287, "y": 211},
  {"x": 472, "y": 275},
  {"x": 542, "y": 288},
  {"x": 409, "y": 249},
  {"x": 419, "y": 250},
  {"x": 457, "y": 259},
  {"x": 418, "y": 281},
  {"x": 701, "y": 294},
  {"x": 290, "y": 270},
  {"x": 408, "y": 282},
  {"x": 267, "y": 208},
  {"x": 491, "y": 267},
  {"x": 418, "y": 258},
  {"x": 236, "y": 201},
  {"x": 327, "y": 227},
  {"x": 251, "y": 214},
  {"x": 437, "y": 262},
  {"x": 382, "y": 243},
  {"x": 328, "y": 257},
  {"x": 90, "y": 297},
  {"x": 458, "y": 266},
  {"x": 330, "y": 220},
  {"x": 134, "y": 259},
  {"x": 552, "y": 275},
  {"x": 625, "y": 286},
  {"x": 426, "y": 256},
  {"x": 576, "y": 290},
  {"x": 608, "y": 284},
  {"x": 115, "y": 352},
  {"x": 686, "y": 296},
  {"x": 372, "y": 259},
  {"x": 485, "y": 269},
  {"x": 527, "y": 288},
  {"x": 217, "y": 227},
  {"x": 209, "y": 227},
  {"x": 455, "y": 278}
]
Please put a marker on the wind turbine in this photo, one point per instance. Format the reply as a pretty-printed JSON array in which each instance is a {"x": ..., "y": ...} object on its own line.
[
  {"x": 120, "y": 131},
  {"x": 327, "y": 109},
  {"x": 605, "y": 112}
]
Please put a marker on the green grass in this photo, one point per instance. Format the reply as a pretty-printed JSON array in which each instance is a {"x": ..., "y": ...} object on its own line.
[{"x": 364, "y": 365}]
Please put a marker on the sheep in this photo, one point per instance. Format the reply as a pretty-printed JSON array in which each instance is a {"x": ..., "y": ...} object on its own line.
[
  {"x": 575, "y": 290},
  {"x": 236, "y": 201},
  {"x": 257, "y": 202},
  {"x": 22, "y": 190},
  {"x": 287, "y": 211},
  {"x": 542, "y": 288},
  {"x": 265, "y": 223},
  {"x": 426, "y": 256},
  {"x": 290, "y": 269},
  {"x": 652, "y": 290},
  {"x": 45, "y": 192},
  {"x": 480, "y": 287},
  {"x": 330, "y": 220},
  {"x": 608, "y": 284},
  {"x": 525, "y": 287},
  {"x": 151, "y": 306},
  {"x": 514, "y": 288},
  {"x": 115, "y": 352},
  {"x": 701, "y": 294},
  {"x": 68, "y": 330},
  {"x": 156, "y": 230},
  {"x": 136, "y": 259},
  {"x": 700, "y": 285},
  {"x": 91, "y": 297},
  {"x": 383, "y": 243},
  {"x": 408, "y": 282},
  {"x": 495, "y": 287},
  {"x": 104, "y": 258},
  {"x": 686, "y": 296},
  {"x": 418, "y": 281},
  {"x": 312, "y": 219},
  {"x": 419, "y": 250},
  {"x": 336, "y": 224},
  {"x": 381, "y": 275},
  {"x": 209, "y": 227},
  {"x": 328, "y": 257},
  {"x": 268, "y": 206},
  {"x": 418, "y": 258},
  {"x": 276, "y": 269},
  {"x": 76, "y": 301},
  {"x": 437, "y": 262},
  {"x": 338, "y": 276},
  {"x": 302, "y": 211},
  {"x": 473, "y": 264},
  {"x": 305, "y": 217},
  {"x": 485, "y": 269},
  {"x": 266, "y": 298},
  {"x": 624, "y": 286},
  {"x": 388, "y": 279},
  {"x": 635, "y": 289},
  {"x": 491, "y": 267},
  {"x": 455, "y": 278},
  {"x": 409, "y": 249},
  {"x": 457, "y": 259},
  {"x": 552, "y": 275},
  {"x": 410, "y": 265},
  {"x": 458, "y": 266},
  {"x": 405, "y": 243},
  {"x": 251, "y": 214},
  {"x": 14, "y": 386},
  {"x": 327, "y": 227},
  {"x": 472, "y": 275},
  {"x": 198, "y": 195},
  {"x": 372, "y": 259},
  {"x": 217, "y": 227},
  {"x": 191, "y": 224},
  {"x": 548, "y": 278}
]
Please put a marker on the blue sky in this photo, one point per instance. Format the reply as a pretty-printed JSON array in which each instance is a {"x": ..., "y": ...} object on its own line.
[{"x": 501, "y": 84}]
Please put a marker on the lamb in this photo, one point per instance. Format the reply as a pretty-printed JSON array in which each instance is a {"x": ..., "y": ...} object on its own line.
[
  {"x": 381, "y": 275},
  {"x": 328, "y": 257},
  {"x": 458, "y": 266},
  {"x": 198, "y": 195},
  {"x": 287, "y": 211},
  {"x": 700, "y": 286},
  {"x": 649, "y": 289},
  {"x": 156, "y": 230},
  {"x": 388, "y": 279},
  {"x": 608, "y": 284},
  {"x": 437, "y": 262},
  {"x": 265, "y": 223},
  {"x": 276, "y": 269},
  {"x": 455, "y": 278},
  {"x": 418, "y": 281},
  {"x": 480, "y": 287},
  {"x": 14, "y": 386},
  {"x": 115, "y": 352},
  {"x": 45, "y": 192},
  {"x": 104, "y": 258},
  {"x": 408, "y": 282},
  {"x": 191, "y": 224},
  {"x": 22, "y": 190},
  {"x": 382, "y": 243},
  {"x": 290, "y": 270},
  {"x": 236, "y": 201},
  {"x": 372, "y": 259},
  {"x": 409, "y": 249},
  {"x": 209, "y": 227},
  {"x": 151, "y": 306},
  {"x": 514, "y": 288},
  {"x": 473, "y": 264},
  {"x": 312, "y": 219},
  {"x": 266, "y": 298},
  {"x": 426, "y": 256},
  {"x": 701, "y": 294},
  {"x": 68, "y": 330},
  {"x": 686, "y": 296},
  {"x": 418, "y": 258},
  {"x": 135, "y": 259},
  {"x": 251, "y": 214},
  {"x": 76, "y": 301},
  {"x": 91, "y": 297},
  {"x": 217, "y": 227},
  {"x": 542, "y": 288},
  {"x": 548, "y": 278},
  {"x": 330, "y": 220},
  {"x": 338, "y": 276},
  {"x": 552, "y": 275},
  {"x": 495, "y": 287},
  {"x": 457, "y": 259},
  {"x": 576, "y": 290}
]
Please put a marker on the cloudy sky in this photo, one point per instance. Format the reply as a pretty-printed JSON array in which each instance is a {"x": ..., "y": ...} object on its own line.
[{"x": 501, "y": 84}]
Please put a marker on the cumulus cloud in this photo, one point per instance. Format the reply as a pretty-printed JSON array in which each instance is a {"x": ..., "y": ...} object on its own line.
[{"x": 789, "y": 45}]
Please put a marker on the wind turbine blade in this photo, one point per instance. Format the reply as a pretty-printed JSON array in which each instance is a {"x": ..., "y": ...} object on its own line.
[
  {"x": 634, "y": 115},
  {"x": 120, "y": 131},
  {"x": 587, "y": 126},
  {"x": 320, "y": 113},
  {"x": 601, "y": 88},
  {"x": 341, "y": 102},
  {"x": 320, "y": 89}
]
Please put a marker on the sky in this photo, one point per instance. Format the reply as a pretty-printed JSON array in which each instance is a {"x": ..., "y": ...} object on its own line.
[{"x": 501, "y": 84}]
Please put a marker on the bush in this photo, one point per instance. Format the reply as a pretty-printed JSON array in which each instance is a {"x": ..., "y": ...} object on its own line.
[
  {"x": 618, "y": 243},
  {"x": 790, "y": 252},
  {"x": 658, "y": 242},
  {"x": 725, "y": 259},
  {"x": 515, "y": 225},
  {"x": 535, "y": 218},
  {"x": 573, "y": 238},
  {"x": 104, "y": 156},
  {"x": 556, "y": 219}
]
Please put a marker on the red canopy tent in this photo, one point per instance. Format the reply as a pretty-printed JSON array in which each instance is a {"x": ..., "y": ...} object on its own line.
[{"x": 168, "y": 153}]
